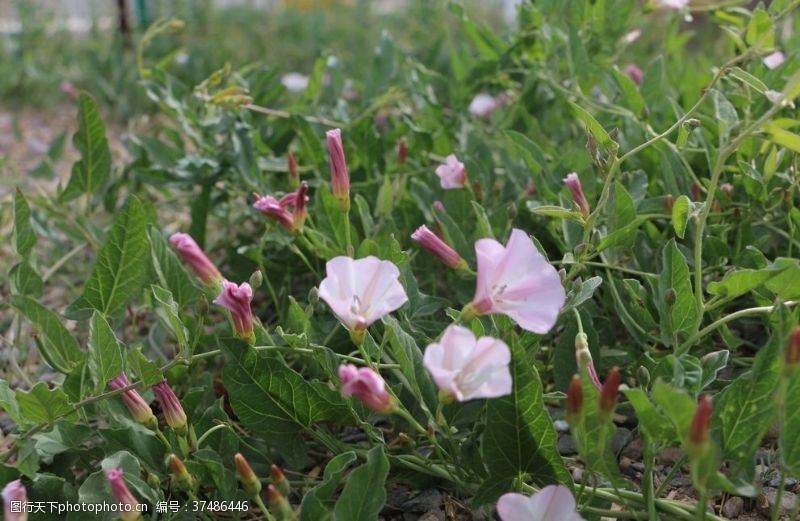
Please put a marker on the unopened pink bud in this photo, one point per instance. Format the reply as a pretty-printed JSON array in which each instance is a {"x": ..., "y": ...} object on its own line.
[
  {"x": 291, "y": 164},
  {"x": 701, "y": 425},
  {"x": 171, "y": 406},
  {"x": 573, "y": 182},
  {"x": 192, "y": 255},
  {"x": 123, "y": 494},
  {"x": 236, "y": 299},
  {"x": 300, "y": 211},
  {"x": 429, "y": 241},
  {"x": 340, "y": 178},
  {"x": 402, "y": 151},
  {"x": 273, "y": 208},
  {"x": 15, "y": 499},
  {"x": 366, "y": 385},
  {"x": 139, "y": 409},
  {"x": 634, "y": 73}
]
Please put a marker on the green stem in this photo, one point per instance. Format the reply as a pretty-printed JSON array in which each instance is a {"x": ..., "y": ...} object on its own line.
[
  {"x": 264, "y": 510},
  {"x": 209, "y": 432}
]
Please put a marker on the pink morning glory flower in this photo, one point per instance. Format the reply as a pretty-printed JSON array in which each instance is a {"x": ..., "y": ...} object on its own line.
[
  {"x": 191, "y": 254},
  {"x": 482, "y": 105},
  {"x": 294, "y": 81},
  {"x": 465, "y": 368},
  {"x": 15, "y": 498},
  {"x": 436, "y": 246},
  {"x": 516, "y": 280},
  {"x": 632, "y": 36},
  {"x": 452, "y": 173},
  {"x": 774, "y": 60},
  {"x": 552, "y": 503},
  {"x": 236, "y": 299},
  {"x": 366, "y": 385},
  {"x": 123, "y": 494},
  {"x": 360, "y": 291}
]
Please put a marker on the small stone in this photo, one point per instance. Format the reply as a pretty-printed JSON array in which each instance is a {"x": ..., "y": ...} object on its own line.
[
  {"x": 634, "y": 450},
  {"x": 670, "y": 456},
  {"x": 621, "y": 438},
  {"x": 566, "y": 445},
  {"x": 775, "y": 481},
  {"x": 561, "y": 426},
  {"x": 681, "y": 481},
  {"x": 577, "y": 475},
  {"x": 767, "y": 501},
  {"x": 425, "y": 501},
  {"x": 433, "y": 515},
  {"x": 638, "y": 465},
  {"x": 733, "y": 507}
]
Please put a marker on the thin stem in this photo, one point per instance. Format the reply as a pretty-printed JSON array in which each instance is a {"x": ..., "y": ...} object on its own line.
[
  {"x": 264, "y": 510},
  {"x": 211, "y": 431},
  {"x": 287, "y": 115}
]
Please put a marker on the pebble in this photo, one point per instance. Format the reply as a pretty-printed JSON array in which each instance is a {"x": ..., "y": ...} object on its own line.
[
  {"x": 425, "y": 501},
  {"x": 775, "y": 481},
  {"x": 770, "y": 495},
  {"x": 566, "y": 445},
  {"x": 733, "y": 507},
  {"x": 561, "y": 426},
  {"x": 634, "y": 450},
  {"x": 670, "y": 456},
  {"x": 433, "y": 515}
]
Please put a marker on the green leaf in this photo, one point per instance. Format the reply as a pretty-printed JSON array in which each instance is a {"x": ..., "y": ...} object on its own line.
[
  {"x": 364, "y": 493},
  {"x": 553, "y": 211},
  {"x": 748, "y": 79},
  {"x": 146, "y": 371},
  {"x": 680, "y": 215},
  {"x": 314, "y": 504},
  {"x": 105, "y": 352},
  {"x": 90, "y": 173},
  {"x": 120, "y": 265},
  {"x": 595, "y": 128},
  {"x": 760, "y": 32},
  {"x": 519, "y": 436},
  {"x": 42, "y": 404},
  {"x": 409, "y": 356},
  {"x": 740, "y": 282},
  {"x": 168, "y": 313},
  {"x": 785, "y": 284},
  {"x": 683, "y": 314},
  {"x": 725, "y": 114},
  {"x": 24, "y": 280},
  {"x": 790, "y": 426},
  {"x": 8, "y": 403},
  {"x": 170, "y": 271},
  {"x": 783, "y": 137},
  {"x": 678, "y": 407},
  {"x": 654, "y": 425},
  {"x": 56, "y": 344},
  {"x": 96, "y": 490},
  {"x": 24, "y": 238},
  {"x": 273, "y": 400}
]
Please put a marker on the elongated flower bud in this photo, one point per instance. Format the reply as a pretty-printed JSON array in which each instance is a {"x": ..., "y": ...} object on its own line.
[
  {"x": 139, "y": 409},
  {"x": 700, "y": 427},
  {"x": 272, "y": 207},
  {"x": 402, "y": 151},
  {"x": 610, "y": 391},
  {"x": 191, "y": 254},
  {"x": 291, "y": 165},
  {"x": 15, "y": 499},
  {"x": 574, "y": 403},
  {"x": 792, "y": 355},
  {"x": 278, "y": 504},
  {"x": 171, "y": 406},
  {"x": 123, "y": 495},
  {"x": 583, "y": 359},
  {"x": 366, "y": 385},
  {"x": 250, "y": 482},
  {"x": 236, "y": 299},
  {"x": 279, "y": 480},
  {"x": 573, "y": 182},
  {"x": 179, "y": 475},
  {"x": 340, "y": 177},
  {"x": 440, "y": 249},
  {"x": 300, "y": 211}
]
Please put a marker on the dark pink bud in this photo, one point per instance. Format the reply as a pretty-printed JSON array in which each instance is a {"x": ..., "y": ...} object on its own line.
[
  {"x": 171, "y": 406},
  {"x": 634, "y": 73},
  {"x": 123, "y": 494},
  {"x": 190, "y": 252},
  {"x": 429, "y": 241},
  {"x": 340, "y": 177},
  {"x": 573, "y": 182},
  {"x": 139, "y": 409},
  {"x": 701, "y": 422}
]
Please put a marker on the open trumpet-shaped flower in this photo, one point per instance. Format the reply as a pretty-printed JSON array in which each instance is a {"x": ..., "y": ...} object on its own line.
[
  {"x": 515, "y": 280},
  {"x": 15, "y": 498},
  {"x": 366, "y": 385},
  {"x": 552, "y": 503},
  {"x": 360, "y": 291},
  {"x": 134, "y": 402},
  {"x": 190, "y": 252},
  {"x": 452, "y": 173},
  {"x": 465, "y": 368},
  {"x": 171, "y": 406},
  {"x": 128, "y": 510},
  {"x": 236, "y": 299}
]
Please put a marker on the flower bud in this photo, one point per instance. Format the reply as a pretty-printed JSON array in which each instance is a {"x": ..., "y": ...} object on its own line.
[
  {"x": 701, "y": 424},
  {"x": 340, "y": 177},
  {"x": 643, "y": 376},
  {"x": 634, "y": 73},
  {"x": 179, "y": 475},
  {"x": 697, "y": 193},
  {"x": 574, "y": 405},
  {"x": 123, "y": 495},
  {"x": 279, "y": 480},
  {"x": 250, "y": 482},
  {"x": 438, "y": 248},
  {"x": 171, "y": 406},
  {"x": 278, "y": 504},
  {"x": 573, "y": 182},
  {"x": 188, "y": 250},
  {"x": 727, "y": 189},
  {"x": 300, "y": 212},
  {"x": 236, "y": 299},
  {"x": 402, "y": 151},
  {"x": 139, "y": 409},
  {"x": 291, "y": 166},
  {"x": 366, "y": 385},
  {"x": 202, "y": 305},
  {"x": 610, "y": 392},
  {"x": 14, "y": 493},
  {"x": 583, "y": 359},
  {"x": 792, "y": 355},
  {"x": 256, "y": 279}
]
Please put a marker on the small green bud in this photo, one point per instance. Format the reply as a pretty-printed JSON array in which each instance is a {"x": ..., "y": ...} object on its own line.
[{"x": 256, "y": 279}]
